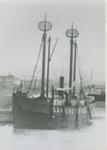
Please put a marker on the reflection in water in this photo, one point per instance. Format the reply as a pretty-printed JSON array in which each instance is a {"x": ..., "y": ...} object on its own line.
[{"x": 89, "y": 138}]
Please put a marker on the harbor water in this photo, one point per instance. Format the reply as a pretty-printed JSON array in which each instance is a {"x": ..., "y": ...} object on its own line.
[{"x": 92, "y": 137}]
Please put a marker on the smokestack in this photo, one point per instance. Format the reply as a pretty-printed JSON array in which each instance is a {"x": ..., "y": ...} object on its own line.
[{"x": 61, "y": 85}]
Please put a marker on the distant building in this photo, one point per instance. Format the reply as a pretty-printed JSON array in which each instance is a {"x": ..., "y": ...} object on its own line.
[{"x": 8, "y": 79}]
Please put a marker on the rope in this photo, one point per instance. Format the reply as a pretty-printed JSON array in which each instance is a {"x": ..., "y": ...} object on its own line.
[
  {"x": 53, "y": 48},
  {"x": 35, "y": 66},
  {"x": 81, "y": 79},
  {"x": 78, "y": 62},
  {"x": 35, "y": 81}
]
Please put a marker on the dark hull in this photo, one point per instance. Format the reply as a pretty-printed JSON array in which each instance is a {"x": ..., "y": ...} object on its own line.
[
  {"x": 98, "y": 97},
  {"x": 29, "y": 119},
  {"x": 27, "y": 115}
]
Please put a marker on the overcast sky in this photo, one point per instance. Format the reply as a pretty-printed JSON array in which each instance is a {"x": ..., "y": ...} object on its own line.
[{"x": 20, "y": 37}]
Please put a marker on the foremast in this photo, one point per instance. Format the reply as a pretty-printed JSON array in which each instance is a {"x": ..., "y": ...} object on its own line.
[{"x": 44, "y": 26}]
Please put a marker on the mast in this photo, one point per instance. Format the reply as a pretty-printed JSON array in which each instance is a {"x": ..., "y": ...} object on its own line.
[
  {"x": 90, "y": 84},
  {"x": 72, "y": 34},
  {"x": 44, "y": 26},
  {"x": 71, "y": 59},
  {"x": 48, "y": 62},
  {"x": 43, "y": 59},
  {"x": 49, "y": 40},
  {"x": 74, "y": 79}
]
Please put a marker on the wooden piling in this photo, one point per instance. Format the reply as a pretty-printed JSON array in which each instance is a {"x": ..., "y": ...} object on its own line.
[
  {"x": 51, "y": 104},
  {"x": 89, "y": 112},
  {"x": 76, "y": 117}
]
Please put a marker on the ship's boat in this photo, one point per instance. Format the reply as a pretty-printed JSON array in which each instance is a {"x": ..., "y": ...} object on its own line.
[
  {"x": 62, "y": 109},
  {"x": 97, "y": 90},
  {"x": 99, "y": 95}
]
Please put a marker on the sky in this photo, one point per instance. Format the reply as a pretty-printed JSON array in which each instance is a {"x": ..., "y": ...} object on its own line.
[{"x": 20, "y": 37}]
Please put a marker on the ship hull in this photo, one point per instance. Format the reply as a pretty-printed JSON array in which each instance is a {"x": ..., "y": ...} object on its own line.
[
  {"x": 31, "y": 115},
  {"x": 28, "y": 113},
  {"x": 29, "y": 119}
]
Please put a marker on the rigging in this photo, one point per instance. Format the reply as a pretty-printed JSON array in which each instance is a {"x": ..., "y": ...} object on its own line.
[{"x": 35, "y": 66}]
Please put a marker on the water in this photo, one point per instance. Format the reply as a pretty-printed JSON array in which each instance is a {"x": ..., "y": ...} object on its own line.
[{"x": 89, "y": 138}]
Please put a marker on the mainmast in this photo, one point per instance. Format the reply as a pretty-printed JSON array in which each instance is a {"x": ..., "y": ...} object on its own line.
[
  {"x": 71, "y": 59},
  {"x": 44, "y": 26},
  {"x": 72, "y": 34},
  {"x": 74, "y": 78}
]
